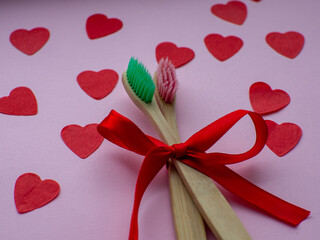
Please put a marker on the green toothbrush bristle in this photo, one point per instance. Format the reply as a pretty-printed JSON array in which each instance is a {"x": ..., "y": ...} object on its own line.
[{"x": 140, "y": 80}]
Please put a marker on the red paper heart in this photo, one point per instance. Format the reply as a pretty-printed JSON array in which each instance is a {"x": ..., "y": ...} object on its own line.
[
  {"x": 178, "y": 56},
  {"x": 31, "y": 193},
  {"x": 99, "y": 25},
  {"x": 287, "y": 44},
  {"x": 264, "y": 100},
  {"x": 223, "y": 48},
  {"x": 83, "y": 141},
  {"x": 282, "y": 138},
  {"x": 21, "y": 102},
  {"x": 98, "y": 84},
  {"x": 234, "y": 12},
  {"x": 29, "y": 42}
]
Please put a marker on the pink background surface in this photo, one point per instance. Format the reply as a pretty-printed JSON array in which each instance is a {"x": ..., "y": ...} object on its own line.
[{"x": 96, "y": 195}]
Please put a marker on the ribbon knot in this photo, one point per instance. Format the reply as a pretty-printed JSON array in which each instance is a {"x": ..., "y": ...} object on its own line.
[
  {"x": 178, "y": 150},
  {"x": 124, "y": 133}
]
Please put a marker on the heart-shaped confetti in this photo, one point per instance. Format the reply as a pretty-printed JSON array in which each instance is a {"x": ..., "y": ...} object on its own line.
[
  {"x": 287, "y": 44},
  {"x": 282, "y": 138},
  {"x": 99, "y": 25},
  {"x": 98, "y": 84},
  {"x": 234, "y": 12},
  {"x": 31, "y": 192},
  {"x": 177, "y": 55},
  {"x": 29, "y": 42},
  {"x": 83, "y": 141},
  {"x": 20, "y": 102},
  {"x": 264, "y": 100},
  {"x": 223, "y": 48}
]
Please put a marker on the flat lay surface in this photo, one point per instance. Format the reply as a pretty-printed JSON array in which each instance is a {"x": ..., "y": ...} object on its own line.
[{"x": 60, "y": 76}]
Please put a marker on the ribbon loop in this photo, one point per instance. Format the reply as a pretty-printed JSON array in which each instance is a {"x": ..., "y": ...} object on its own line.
[
  {"x": 178, "y": 150},
  {"x": 115, "y": 127}
]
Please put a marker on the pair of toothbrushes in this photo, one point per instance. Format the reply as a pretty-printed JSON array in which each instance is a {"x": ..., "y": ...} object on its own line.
[{"x": 156, "y": 101}]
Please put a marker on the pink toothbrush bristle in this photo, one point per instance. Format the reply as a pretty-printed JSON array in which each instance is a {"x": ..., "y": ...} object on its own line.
[{"x": 166, "y": 80}]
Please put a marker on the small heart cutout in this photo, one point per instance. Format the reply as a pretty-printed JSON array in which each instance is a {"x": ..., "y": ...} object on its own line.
[
  {"x": 29, "y": 42},
  {"x": 234, "y": 12},
  {"x": 83, "y": 141},
  {"x": 177, "y": 55},
  {"x": 31, "y": 192},
  {"x": 287, "y": 44},
  {"x": 20, "y": 102},
  {"x": 99, "y": 25},
  {"x": 222, "y": 48},
  {"x": 98, "y": 84},
  {"x": 264, "y": 100},
  {"x": 282, "y": 138}
]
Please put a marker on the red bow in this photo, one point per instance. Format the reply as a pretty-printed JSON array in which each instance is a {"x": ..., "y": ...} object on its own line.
[{"x": 124, "y": 133}]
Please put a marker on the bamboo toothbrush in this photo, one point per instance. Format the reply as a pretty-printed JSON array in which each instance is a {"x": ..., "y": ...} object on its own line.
[
  {"x": 218, "y": 214},
  {"x": 140, "y": 88},
  {"x": 166, "y": 87}
]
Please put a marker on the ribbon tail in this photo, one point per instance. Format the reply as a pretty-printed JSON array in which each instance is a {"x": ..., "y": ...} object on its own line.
[
  {"x": 247, "y": 191},
  {"x": 151, "y": 165}
]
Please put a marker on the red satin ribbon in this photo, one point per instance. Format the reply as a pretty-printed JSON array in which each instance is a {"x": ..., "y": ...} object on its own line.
[{"x": 124, "y": 133}]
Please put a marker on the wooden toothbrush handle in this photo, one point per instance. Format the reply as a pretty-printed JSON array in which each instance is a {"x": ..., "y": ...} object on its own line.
[
  {"x": 214, "y": 208},
  {"x": 189, "y": 224},
  {"x": 187, "y": 219}
]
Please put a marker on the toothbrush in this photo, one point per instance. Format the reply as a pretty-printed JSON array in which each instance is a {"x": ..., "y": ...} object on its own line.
[
  {"x": 166, "y": 87},
  {"x": 140, "y": 88},
  {"x": 216, "y": 211}
]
